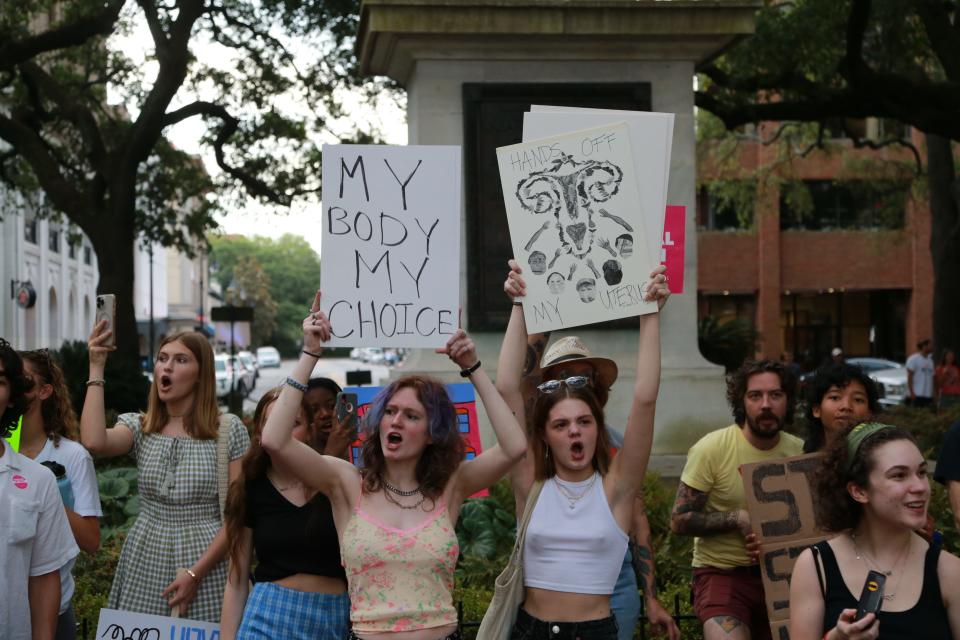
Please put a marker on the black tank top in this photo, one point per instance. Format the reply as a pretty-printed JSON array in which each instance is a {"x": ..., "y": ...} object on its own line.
[
  {"x": 288, "y": 539},
  {"x": 927, "y": 619}
]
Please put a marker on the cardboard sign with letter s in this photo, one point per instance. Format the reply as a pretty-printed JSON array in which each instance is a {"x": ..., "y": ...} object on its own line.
[{"x": 781, "y": 501}]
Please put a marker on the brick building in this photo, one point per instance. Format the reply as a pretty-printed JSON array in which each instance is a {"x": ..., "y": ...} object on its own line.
[{"x": 854, "y": 270}]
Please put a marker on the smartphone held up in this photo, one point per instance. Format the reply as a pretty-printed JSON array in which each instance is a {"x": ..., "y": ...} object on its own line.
[{"x": 107, "y": 310}]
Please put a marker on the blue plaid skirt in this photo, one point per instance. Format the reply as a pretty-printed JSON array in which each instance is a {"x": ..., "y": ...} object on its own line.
[{"x": 275, "y": 612}]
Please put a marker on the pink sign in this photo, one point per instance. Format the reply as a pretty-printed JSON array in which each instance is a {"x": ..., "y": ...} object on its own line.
[{"x": 671, "y": 250}]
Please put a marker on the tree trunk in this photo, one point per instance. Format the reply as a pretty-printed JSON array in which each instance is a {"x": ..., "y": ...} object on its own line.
[
  {"x": 114, "y": 244},
  {"x": 944, "y": 242}
]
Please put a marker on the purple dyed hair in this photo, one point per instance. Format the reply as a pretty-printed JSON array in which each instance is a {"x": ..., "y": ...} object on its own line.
[{"x": 441, "y": 414}]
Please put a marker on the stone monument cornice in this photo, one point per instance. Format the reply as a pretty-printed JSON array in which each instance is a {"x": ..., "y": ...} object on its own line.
[{"x": 395, "y": 34}]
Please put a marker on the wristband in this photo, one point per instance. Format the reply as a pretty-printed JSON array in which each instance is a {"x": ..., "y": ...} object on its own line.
[
  {"x": 192, "y": 575},
  {"x": 466, "y": 373},
  {"x": 299, "y": 386},
  {"x": 96, "y": 382},
  {"x": 518, "y": 303},
  {"x": 309, "y": 353}
]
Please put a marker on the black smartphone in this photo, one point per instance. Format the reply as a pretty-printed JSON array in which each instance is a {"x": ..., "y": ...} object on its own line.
[
  {"x": 871, "y": 598},
  {"x": 346, "y": 409}
]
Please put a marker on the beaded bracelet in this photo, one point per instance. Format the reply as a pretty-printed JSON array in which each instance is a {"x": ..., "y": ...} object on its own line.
[
  {"x": 96, "y": 382},
  {"x": 299, "y": 386}
]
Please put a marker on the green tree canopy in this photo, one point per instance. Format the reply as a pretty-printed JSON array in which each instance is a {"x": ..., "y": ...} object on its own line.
[
  {"x": 292, "y": 270},
  {"x": 236, "y": 66},
  {"x": 830, "y": 61}
]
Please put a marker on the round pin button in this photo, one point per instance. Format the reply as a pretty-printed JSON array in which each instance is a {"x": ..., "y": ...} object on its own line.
[{"x": 555, "y": 629}]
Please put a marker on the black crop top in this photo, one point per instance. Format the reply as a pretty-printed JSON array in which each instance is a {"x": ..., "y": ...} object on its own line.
[
  {"x": 288, "y": 539},
  {"x": 926, "y": 619}
]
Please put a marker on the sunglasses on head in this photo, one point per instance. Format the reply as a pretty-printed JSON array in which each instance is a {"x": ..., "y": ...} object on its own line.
[{"x": 573, "y": 382}]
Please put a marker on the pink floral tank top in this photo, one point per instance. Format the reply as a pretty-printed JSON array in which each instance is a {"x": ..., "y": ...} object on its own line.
[{"x": 400, "y": 580}]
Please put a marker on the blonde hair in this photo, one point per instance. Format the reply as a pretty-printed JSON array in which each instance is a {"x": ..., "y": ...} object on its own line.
[{"x": 203, "y": 420}]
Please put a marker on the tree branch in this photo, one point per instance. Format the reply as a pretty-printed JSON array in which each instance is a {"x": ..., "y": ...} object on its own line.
[
  {"x": 255, "y": 186},
  {"x": 76, "y": 33},
  {"x": 944, "y": 37},
  {"x": 61, "y": 192}
]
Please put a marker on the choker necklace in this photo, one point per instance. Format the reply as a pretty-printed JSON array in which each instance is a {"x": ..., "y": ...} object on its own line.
[
  {"x": 390, "y": 498},
  {"x": 405, "y": 494},
  {"x": 574, "y": 498}
]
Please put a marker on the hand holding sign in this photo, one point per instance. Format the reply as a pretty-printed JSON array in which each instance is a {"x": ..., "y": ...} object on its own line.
[
  {"x": 514, "y": 286},
  {"x": 461, "y": 349}
]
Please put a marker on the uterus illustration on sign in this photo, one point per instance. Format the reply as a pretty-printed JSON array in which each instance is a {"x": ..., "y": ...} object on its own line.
[{"x": 569, "y": 193}]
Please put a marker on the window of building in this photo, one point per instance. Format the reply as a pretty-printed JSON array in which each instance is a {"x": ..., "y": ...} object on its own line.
[
  {"x": 726, "y": 205},
  {"x": 861, "y": 323},
  {"x": 30, "y": 230},
  {"x": 87, "y": 255},
  {"x": 53, "y": 239},
  {"x": 72, "y": 250},
  {"x": 822, "y": 205},
  {"x": 727, "y": 307}
]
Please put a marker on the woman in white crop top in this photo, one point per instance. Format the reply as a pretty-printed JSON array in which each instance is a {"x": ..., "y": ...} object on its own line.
[
  {"x": 576, "y": 538},
  {"x": 395, "y": 520}
]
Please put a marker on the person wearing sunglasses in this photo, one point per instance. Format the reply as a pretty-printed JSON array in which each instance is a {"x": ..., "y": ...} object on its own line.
[{"x": 576, "y": 542}]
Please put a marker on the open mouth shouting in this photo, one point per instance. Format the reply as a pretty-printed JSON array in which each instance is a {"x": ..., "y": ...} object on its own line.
[
  {"x": 394, "y": 440},
  {"x": 577, "y": 453},
  {"x": 165, "y": 383}
]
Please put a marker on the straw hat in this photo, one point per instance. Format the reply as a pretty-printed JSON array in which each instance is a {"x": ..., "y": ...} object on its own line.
[{"x": 572, "y": 349}]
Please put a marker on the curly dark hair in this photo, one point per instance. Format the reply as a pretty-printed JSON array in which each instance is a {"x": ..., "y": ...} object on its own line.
[
  {"x": 441, "y": 457},
  {"x": 543, "y": 465},
  {"x": 836, "y": 510},
  {"x": 59, "y": 417},
  {"x": 833, "y": 375},
  {"x": 19, "y": 385},
  {"x": 737, "y": 386}
]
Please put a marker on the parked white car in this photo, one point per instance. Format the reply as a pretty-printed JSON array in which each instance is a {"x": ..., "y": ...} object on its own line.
[
  {"x": 250, "y": 362},
  {"x": 268, "y": 357},
  {"x": 890, "y": 376},
  {"x": 224, "y": 368}
]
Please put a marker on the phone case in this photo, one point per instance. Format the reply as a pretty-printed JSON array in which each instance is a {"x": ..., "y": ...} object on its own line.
[
  {"x": 346, "y": 407},
  {"x": 871, "y": 598},
  {"x": 107, "y": 310}
]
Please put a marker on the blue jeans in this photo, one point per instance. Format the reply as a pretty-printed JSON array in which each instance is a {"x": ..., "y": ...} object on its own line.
[{"x": 625, "y": 601}]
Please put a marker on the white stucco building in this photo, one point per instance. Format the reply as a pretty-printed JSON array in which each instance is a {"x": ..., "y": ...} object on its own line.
[{"x": 63, "y": 275}]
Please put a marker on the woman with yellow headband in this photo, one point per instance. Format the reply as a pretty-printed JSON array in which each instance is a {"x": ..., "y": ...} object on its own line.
[{"x": 873, "y": 489}]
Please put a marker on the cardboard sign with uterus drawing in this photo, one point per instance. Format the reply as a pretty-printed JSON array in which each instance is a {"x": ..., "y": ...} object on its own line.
[{"x": 576, "y": 227}]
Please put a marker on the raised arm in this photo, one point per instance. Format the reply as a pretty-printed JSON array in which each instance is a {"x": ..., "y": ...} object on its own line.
[
  {"x": 630, "y": 465},
  {"x": 335, "y": 478},
  {"x": 94, "y": 434},
  {"x": 492, "y": 464}
]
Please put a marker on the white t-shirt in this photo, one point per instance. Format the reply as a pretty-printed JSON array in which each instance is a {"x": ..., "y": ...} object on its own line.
[
  {"x": 86, "y": 495},
  {"x": 922, "y": 368},
  {"x": 35, "y": 536}
]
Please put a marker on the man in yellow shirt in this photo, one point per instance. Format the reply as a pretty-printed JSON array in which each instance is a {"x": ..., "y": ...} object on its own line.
[{"x": 710, "y": 505}]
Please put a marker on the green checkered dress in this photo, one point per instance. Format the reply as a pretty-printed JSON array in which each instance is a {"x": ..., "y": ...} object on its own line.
[{"x": 179, "y": 517}]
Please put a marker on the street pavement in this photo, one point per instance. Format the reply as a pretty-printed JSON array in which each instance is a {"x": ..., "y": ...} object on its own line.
[{"x": 334, "y": 368}]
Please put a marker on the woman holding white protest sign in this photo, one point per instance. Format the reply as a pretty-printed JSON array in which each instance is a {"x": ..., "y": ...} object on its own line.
[
  {"x": 580, "y": 502},
  {"x": 873, "y": 487},
  {"x": 396, "y": 516}
]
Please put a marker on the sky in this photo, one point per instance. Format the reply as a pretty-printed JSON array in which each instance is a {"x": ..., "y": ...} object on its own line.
[{"x": 254, "y": 219}]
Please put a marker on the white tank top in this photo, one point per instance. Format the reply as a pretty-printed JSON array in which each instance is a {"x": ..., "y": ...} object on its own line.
[{"x": 573, "y": 545}]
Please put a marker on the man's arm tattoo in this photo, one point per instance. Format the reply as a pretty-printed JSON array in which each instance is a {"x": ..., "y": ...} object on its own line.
[
  {"x": 690, "y": 518},
  {"x": 643, "y": 566},
  {"x": 535, "y": 348}
]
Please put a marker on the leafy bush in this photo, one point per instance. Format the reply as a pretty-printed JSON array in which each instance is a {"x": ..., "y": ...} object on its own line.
[
  {"x": 119, "y": 499},
  {"x": 93, "y": 575},
  {"x": 486, "y": 532},
  {"x": 728, "y": 343}
]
